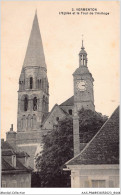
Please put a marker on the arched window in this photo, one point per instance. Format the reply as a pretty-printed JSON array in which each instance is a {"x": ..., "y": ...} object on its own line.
[
  {"x": 35, "y": 103},
  {"x": 25, "y": 104},
  {"x": 31, "y": 82}
]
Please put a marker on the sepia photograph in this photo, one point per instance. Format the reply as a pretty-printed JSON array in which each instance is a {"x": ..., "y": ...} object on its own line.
[{"x": 60, "y": 63}]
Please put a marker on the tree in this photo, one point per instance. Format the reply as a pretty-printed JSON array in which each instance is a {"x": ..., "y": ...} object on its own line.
[{"x": 58, "y": 147}]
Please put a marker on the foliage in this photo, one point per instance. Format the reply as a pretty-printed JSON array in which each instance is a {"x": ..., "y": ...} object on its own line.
[
  {"x": 35, "y": 180},
  {"x": 58, "y": 147}
]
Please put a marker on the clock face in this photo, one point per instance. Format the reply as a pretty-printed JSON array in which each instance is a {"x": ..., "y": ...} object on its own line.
[{"x": 81, "y": 85}]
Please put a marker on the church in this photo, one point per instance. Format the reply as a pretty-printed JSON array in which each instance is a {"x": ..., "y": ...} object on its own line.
[{"x": 33, "y": 117}]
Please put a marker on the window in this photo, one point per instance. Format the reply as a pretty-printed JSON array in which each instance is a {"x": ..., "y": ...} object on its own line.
[
  {"x": 25, "y": 104},
  {"x": 14, "y": 160},
  {"x": 14, "y": 183},
  {"x": 40, "y": 83},
  {"x": 111, "y": 184},
  {"x": 57, "y": 118},
  {"x": 86, "y": 184},
  {"x": 35, "y": 103},
  {"x": 70, "y": 112},
  {"x": 98, "y": 183},
  {"x": 4, "y": 184},
  {"x": 31, "y": 82}
]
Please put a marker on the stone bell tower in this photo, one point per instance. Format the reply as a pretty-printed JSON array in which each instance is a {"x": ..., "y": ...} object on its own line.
[
  {"x": 33, "y": 96},
  {"x": 33, "y": 93},
  {"x": 83, "y": 84}
]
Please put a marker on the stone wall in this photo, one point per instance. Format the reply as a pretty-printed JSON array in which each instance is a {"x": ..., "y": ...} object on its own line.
[
  {"x": 55, "y": 115},
  {"x": 89, "y": 178},
  {"x": 16, "y": 180}
]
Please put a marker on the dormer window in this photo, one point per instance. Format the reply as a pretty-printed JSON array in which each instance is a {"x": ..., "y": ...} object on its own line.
[
  {"x": 14, "y": 160},
  {"x": 26, "y": 161}
]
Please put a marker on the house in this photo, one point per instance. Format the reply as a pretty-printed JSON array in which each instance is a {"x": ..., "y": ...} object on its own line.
[
  {"x": 97, "y": 165},
  {"x": 15, "y": 167}
]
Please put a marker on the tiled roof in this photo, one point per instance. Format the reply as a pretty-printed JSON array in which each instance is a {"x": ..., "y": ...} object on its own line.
[
  {"x": 20, "y": 166},
  {"x": 6, "y": 145},
  {"x": 21, "y": 154},
  {"x": 6, "y": 166},
  {"x": 7, "y": 152},
  {"x": 104, "y": 147},
  {"x": 68, "y": 102}
]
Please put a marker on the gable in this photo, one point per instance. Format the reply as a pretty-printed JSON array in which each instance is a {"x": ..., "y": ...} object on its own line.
[
  {"x": 68, "y": 102},
  {"x": 55, "y": 114}
]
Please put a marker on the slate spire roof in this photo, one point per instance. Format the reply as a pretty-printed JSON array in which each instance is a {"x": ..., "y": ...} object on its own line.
[
  {"x": 35, "y": 53},
  {"x": 104, "y": 146}
]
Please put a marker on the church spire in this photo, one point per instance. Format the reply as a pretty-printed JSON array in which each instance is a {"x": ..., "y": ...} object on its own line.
[{"x": 35, "y": 53}]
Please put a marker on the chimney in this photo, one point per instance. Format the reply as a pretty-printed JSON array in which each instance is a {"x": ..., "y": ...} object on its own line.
[
  {"x": 11, "y": 136},
  {"x": 76, "y": 139},
  {"x": 11, "y": 129},
  {"x": 2, "y": 140}
]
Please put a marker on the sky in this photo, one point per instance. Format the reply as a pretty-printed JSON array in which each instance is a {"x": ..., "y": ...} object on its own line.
[{"x": 62, "y": 38}]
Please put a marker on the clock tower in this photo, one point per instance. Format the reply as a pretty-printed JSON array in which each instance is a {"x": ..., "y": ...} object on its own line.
[{"x": 83, "y": 84}]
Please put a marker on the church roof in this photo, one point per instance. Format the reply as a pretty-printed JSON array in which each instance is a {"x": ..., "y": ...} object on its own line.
[
  {"x": 104, "y": 146},
  {"x": 56, "y": 105},
  {"x": 68, "y": 102},
  {"x": 35, "y": 53}
]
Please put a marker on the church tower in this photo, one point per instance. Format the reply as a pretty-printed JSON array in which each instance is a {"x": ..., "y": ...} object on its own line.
[
  {"x": 33, "y": 96},
  {"x": 33, "y": 93},
  {"x": 83, "y": 84}
]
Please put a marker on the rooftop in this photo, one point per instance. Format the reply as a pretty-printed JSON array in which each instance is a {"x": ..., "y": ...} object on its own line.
[
  {"x": 68, "y": 102},
  {"x": 104, "y": 146}
]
